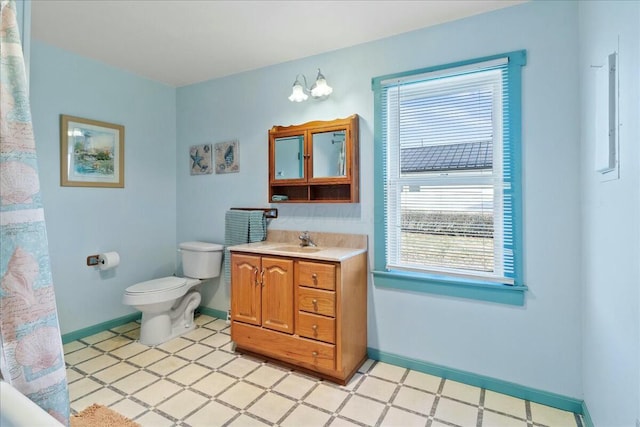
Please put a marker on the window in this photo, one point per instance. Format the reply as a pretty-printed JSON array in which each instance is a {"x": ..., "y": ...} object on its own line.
[{"x": 448, "y": 176}]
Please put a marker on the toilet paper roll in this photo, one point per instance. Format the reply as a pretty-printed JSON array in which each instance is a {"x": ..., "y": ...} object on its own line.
[{"x": 108, "y": 260}]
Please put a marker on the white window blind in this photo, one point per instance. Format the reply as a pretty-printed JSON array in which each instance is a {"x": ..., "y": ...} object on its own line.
[{"x": 447, "y": 176}]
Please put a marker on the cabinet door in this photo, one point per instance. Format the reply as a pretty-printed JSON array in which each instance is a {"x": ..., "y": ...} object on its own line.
[
  {"x": 246, "y": 302},
  {"x": 277, "y": 294}
]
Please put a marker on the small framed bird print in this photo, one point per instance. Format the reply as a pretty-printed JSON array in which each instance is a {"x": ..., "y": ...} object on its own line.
[
  {"x": 200, "y": 159},
  {"x": 227, "y": 158}
]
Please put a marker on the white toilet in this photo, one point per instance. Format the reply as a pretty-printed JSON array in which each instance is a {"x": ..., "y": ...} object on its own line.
[{"x": 167, "y": 304}]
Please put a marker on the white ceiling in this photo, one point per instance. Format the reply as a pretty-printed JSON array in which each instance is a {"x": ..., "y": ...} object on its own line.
[{"x": 180, "y": 42}]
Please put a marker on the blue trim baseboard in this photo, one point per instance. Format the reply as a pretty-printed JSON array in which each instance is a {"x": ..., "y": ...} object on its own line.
[
  {"x": 213, "y": 312},
  {"x": 586, "y": 417},
  {"x": 100, "y": 327},
  {"x": 500, "y": 386}
]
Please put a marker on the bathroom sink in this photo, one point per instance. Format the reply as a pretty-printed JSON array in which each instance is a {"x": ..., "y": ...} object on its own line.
[{"x": 299, "y": 249}]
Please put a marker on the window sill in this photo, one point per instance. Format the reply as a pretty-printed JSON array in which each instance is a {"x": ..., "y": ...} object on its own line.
[{"x": 450, "y": 286}]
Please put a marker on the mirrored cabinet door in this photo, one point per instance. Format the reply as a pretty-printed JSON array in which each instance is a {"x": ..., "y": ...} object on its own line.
[
  {"x": 289, "y": 157},
  {"x": 329, "y": 154}
]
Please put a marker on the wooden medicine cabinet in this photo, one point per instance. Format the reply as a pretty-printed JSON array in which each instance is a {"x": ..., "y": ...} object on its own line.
[{"x": 315, "y": 162}]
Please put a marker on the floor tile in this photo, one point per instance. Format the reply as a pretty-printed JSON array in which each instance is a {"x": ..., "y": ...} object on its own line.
[
  {"x": 203, "y": 319},
  {"x": 147, "y": 358},
  {"x": 507, "y": 404},
  {"x": 97, "y": 364},
  {"x": 376, "y": 388},
  {"x": 72, "y": 346},
  {"x": 217, "y": 340},
  {"x": 214, "y": 383},
  {"x": 113, "y": 343},
  {"x": 542, "y": 414},
  {"x": 73, "y": 376},
  {"x": 240, "y": 367},
  {"x": 134, "y": 334},
  {"x": 491, "y": 419},
  {"x": 198, "y": 334},
  {"x": 115, "y": 372},
  {"x": 363, "y": 410},
  {"x": 216, "y": 359},
  {"x": 127, "y": 351},
  {"x": 157, "y": 392},
  {"x": 189, "y": 374},
  {"x": 83, "y": 387},
  {"x": 98, "y": 337},
  {"x": 423, "y": 381},
  {"x": 167, "y": 365},
  {"x": 294, "y": 386},
  {"x": 354, "y": 382},
  {"x": 326, "y": 397},
  {"x": 271, "y": 407},
  {"x": 305, "y": 416},
  {"x": 341, "y": 422},
  {"x": 217, "y": 325},
  {"x": 265, "y": 376},
  {"x": 364, "y": 368},
  {"x": 126, "y": 327},
  {"x": 103, "y": 396},
  {"x": 182, "y": 404},
  {"x": 175, "y": 345},
  {"x": 81, "y": 355},
  {"x": 398, "y": 417},
  {"x": 387, "y": 371},
  {"x": 135, "y": 382},
  {"x": 155, "y": 420},
  {"x": 128, "y": 408},
  {"x": 456, "y": 412},
  {"x": 212, "y": 414},
  {"x": 460, "y": 391},
  {"x": 241, "y": 395},
  {"x": 194, "y": 352},
  {"x": 414, "y": 400},
  {"x": 246, "y": 421}
]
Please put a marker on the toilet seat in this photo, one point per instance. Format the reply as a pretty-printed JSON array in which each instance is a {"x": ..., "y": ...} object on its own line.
[{"x": 155, "y": 291}]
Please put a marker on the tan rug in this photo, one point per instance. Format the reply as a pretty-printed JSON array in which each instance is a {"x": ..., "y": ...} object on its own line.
[{"x": 101, "y": 416}]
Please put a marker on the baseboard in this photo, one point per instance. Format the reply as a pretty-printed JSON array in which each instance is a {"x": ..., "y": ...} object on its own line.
[
  {"x": 499, "y": 386},
  {"x": 213, "y": 312},
  {"x": 586, "y": 417},
  {"x": 100, "y": 327}
]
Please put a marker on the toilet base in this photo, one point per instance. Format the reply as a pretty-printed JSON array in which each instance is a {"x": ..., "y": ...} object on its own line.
[{"x": 159, "y": 327}]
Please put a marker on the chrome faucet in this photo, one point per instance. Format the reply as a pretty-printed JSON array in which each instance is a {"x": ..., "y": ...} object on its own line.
[{"x": 306, "y": 239}]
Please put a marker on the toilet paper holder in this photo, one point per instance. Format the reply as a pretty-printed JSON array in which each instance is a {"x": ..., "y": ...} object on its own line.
[{"x": 94, "y": 260}]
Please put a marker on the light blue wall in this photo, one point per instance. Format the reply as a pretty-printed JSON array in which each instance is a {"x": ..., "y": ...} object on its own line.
[
  {"x": 537, "y": 345},
  {"x": 610, "y": 226},
  {"x": 139, "y": 220}
]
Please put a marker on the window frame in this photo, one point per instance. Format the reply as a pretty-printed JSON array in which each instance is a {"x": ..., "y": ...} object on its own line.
[{"x": 440, "y": 283}]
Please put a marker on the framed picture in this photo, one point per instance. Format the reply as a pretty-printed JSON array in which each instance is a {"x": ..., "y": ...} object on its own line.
[
  {"x": 227, "y": 157},
  {"x": 200, "y": 158},
  {"x": 91, "y": 153}
]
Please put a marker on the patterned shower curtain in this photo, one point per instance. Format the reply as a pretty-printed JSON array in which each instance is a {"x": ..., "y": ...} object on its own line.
[{"x": 31, "y": 355}]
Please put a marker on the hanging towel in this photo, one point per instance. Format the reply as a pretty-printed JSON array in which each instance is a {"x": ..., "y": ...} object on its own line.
[
  {"x": 242, "y": 227},
  {"x": 31, "y": 352}
]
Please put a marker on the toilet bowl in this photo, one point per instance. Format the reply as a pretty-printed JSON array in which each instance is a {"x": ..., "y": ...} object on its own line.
[{"x": 167, "y": 304}]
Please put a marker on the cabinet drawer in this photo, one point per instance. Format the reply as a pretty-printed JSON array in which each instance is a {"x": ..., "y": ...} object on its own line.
[
  {"x": 316, "y": 327},
  {"x": 300, "y": 351},
  {"x": 316, "y": 275},
  {"x": 317, "y": 301}
]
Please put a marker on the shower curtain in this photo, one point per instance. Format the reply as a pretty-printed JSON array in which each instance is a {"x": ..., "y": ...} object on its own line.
[{"x": 31, "y": 354}]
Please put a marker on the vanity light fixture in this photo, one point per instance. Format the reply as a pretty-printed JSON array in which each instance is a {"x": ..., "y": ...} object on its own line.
[{"x": 319, "y": 90}]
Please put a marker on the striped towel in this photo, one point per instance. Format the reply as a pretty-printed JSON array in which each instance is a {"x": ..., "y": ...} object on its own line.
[{"x": 242, "y": 227}]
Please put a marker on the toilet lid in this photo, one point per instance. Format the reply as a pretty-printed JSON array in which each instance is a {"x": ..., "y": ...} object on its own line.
[{"x": 157, "y": 285}]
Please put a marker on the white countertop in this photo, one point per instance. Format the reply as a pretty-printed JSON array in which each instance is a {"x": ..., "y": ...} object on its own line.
[{"x": 294, "y": 250}]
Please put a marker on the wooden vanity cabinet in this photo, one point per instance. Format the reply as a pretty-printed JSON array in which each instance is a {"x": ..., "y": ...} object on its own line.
[
  {"x": 315, "y": 162},
  {"x": 327, "y": 308}
]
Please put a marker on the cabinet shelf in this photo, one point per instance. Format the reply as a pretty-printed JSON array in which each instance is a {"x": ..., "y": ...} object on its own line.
[{"x": 315, "y": 162}]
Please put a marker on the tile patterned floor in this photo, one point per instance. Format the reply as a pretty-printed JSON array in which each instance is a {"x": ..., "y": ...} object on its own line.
[{"x": 197, "y": 380}]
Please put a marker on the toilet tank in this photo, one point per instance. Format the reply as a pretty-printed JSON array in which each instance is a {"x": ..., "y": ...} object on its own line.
[{"x": 201, "y": 260}]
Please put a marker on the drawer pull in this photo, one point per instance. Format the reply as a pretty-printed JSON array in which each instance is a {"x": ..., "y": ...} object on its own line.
[
  {"x": 314, "y": 276},
  {"x": 314, "y": 327},
  {"x": 314, "y": 354}
]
